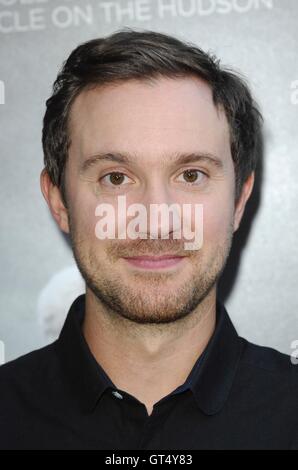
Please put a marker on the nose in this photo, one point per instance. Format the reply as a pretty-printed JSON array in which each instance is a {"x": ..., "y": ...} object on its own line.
[{"x": 163, "y": 211}]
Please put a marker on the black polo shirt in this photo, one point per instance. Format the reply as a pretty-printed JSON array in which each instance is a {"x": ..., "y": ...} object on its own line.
[{"x": 237, "y": 396}]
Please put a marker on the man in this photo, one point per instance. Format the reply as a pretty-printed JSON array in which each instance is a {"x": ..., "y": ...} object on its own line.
[{"x": 148, "y": 358}]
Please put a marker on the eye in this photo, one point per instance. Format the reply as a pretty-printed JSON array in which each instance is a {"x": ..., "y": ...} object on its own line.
[
  {"x": 114, "y": 178},
  {"x": 192, "y": 176}
]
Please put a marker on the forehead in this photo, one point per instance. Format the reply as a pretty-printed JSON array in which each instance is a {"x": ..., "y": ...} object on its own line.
[{"x": 160, "y": 117}]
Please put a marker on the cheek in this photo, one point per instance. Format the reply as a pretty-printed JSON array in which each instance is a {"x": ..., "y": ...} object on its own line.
[
  {"x": 218, "y": 217},
  {"x": 83, "y": 216}
]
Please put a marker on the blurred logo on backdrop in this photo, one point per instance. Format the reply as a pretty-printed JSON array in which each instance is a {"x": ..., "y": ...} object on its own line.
[
  {"x": 56, "y": 298},
  {"x": 20, "y": 16}
]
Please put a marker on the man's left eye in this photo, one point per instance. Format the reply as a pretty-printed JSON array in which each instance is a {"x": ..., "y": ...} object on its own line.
[{"x": 191, "y": 176}]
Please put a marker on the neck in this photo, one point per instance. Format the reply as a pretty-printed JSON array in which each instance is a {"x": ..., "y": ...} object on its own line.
[{"x": 147, "y": 361}]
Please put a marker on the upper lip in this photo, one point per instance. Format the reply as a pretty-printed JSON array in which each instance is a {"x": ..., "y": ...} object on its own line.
[{"x": 154, "y": 258}]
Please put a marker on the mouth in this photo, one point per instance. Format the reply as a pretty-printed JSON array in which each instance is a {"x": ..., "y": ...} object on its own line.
[{"x": 154, "y": 262}]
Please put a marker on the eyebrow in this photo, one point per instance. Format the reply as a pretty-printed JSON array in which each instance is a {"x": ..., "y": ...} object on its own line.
[{"x": 176, "y": 159}]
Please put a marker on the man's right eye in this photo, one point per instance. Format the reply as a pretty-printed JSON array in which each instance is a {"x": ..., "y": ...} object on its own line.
[{"x": 114, "y": 178}]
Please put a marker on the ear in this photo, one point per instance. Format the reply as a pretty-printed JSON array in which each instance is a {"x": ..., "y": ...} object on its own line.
[
  {"x": 245, "y": 194},
  {"x": 52, "y": 195}
]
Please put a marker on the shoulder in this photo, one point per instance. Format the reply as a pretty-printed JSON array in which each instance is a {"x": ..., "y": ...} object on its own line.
[
  {"x": 266, "y": 372},
  {"x": 29, "y": 376},
  {"x": 30, "y": 389},
  {"x": 29, "y": 364},
  {"x": 268, "y": 360}
]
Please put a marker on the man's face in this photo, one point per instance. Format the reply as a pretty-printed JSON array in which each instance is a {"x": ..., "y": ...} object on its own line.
[{"x": 151, "y": 124}]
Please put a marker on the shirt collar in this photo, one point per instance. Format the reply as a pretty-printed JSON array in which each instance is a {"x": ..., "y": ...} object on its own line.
[
  {"x": 210, "y": 384},
  {"x": 87, "y": 378},
  {"x": 219, "y": 364}
]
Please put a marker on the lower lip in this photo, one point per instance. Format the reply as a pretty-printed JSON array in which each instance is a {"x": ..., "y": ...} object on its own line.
[{"x": 155, "y": 264}]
